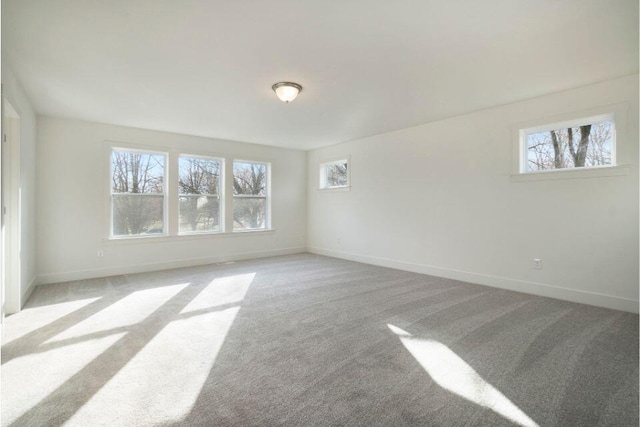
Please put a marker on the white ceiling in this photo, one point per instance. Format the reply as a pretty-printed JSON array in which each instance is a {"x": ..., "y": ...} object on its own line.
[{"x": 367, "y": 66}]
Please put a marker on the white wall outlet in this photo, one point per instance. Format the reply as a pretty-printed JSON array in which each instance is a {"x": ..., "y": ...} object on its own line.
[
  {"x": 100, "y": 254},
  {"x": 537, "y": 263}
]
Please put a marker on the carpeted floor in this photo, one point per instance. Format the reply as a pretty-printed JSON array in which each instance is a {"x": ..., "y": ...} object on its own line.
[{"x": 313, "y": 341}]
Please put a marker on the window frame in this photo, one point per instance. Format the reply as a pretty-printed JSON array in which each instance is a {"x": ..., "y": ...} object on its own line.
[
  {"x": 593, "y": 120},
  {"x": 165, "y": 192},
  {"x": 267, "y": 197},
  {"x": 171, "y": 195},
  {"x": 322, "y": 177},
  {"x": 221, "y": 195},
  {"x": 620, "y": 152}
]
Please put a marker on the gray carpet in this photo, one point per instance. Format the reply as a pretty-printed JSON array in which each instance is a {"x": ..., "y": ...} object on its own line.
[{"x": 313, "y": 341}]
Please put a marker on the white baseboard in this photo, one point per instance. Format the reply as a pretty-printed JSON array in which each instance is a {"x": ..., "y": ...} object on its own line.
[
  {"x": 541, "y": 289},
  {"x": 27, "y": 293},
  {"x": 67, "y": 276}
]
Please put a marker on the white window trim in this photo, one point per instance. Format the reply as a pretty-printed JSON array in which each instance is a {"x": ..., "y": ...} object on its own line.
[
  {"x": 165, "y": 192},
  {"x": 573, "y": 173},
  {"x": 322, "y": 171},
  {"x": 190, "y": 237},
  {"x": 220, "y": 195},
  {"x": 267, "y": 222},
  {"x": 171, "y": 210},
  {"x": 615, "y": 112},
  {"x": 563, "y": 125}
]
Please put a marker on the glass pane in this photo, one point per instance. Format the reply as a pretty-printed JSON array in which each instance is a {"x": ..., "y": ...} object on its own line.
[
  {"x": 249, "y": 213},
  {"x": 249, "y": 179},
  {"x": 337, "y": 174},
  {"x": 199, "y": 213},
  {"x": 198, "y": 175},
  {"x": 135, "y": 172},
  {"x": 573, "y": 147},
  {"x": 137, "y": 215}
]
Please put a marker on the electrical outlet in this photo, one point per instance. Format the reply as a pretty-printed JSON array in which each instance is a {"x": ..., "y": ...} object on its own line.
[
  {"x": 537, "y": 264},
  {"x": 100, "y": 253}
]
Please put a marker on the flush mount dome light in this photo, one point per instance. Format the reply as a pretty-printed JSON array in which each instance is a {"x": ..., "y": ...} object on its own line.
[{"x": 286, "y": 91}]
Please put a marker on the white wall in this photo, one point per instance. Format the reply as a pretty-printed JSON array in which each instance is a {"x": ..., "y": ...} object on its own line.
[
  {"x": 72, "y": 221},
  {"x": 13, "y": 92},
  {"x": 440, "y": 199}
]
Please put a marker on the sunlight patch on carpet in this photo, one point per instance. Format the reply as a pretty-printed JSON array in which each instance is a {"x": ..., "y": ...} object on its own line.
[
  {"x": 130, "y": 310},
  {"x": 221, "y": 291},
  {"x": 34, "y": 376},
  {"x": 165, "y": 377},
  {"x": 452, "y": 373},
  {"x": 34, "y": 318}
]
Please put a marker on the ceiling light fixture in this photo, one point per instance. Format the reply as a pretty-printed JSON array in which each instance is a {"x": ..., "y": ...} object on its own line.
[{"x": 286, "y": 91}]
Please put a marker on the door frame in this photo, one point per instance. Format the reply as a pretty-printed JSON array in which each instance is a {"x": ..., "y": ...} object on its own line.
[{"x": 11, "y": 209}]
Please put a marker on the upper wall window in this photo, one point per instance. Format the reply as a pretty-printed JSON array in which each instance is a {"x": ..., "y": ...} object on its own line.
[
  {"x": 586, "y": 143},
  {"x": 250, "y": 195},
  {"x": 199, "y": 183},
  {"x": 137, "y": 193},
  {"x": 334, "y": 174}
]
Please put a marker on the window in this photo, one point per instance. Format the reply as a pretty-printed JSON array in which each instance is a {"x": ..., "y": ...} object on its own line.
[
  {"x": 168, "y": 193},
  {"x": 199, "y": 183},
  {"x": 334, "y": 174},
  {"x": 586, "y": 143},
  {"x": 137, "y": 193},
  {"x": 250, "y": 195}
]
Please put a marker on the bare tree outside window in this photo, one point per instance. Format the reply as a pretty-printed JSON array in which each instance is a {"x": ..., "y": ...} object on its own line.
[
  {"x": 137, "y": 193},
  {"x": 337, "y": 175},
  {"x": 250, "y": 195},
  {"x": 199, "y": 188},
  {"x": 589, "y": 145},
  {"x": 334, "y": 174}
]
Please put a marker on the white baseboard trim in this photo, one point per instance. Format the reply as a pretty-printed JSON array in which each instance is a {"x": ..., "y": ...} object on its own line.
[
  {"x": 44, "y": 279},
  {"x": 541, "y": 289},
  {"x": 27, "y": 293}
]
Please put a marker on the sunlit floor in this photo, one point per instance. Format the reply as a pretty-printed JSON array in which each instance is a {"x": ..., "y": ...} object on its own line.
[{"x": 309, "y": 340}]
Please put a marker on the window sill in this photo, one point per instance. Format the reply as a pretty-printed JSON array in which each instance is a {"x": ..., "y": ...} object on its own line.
[
  {"x": 335, "y": 189},
  {"x": 185, "y": 237},
  {"x": 256, "y": 231},
  {"x": 598, "y": 172}
]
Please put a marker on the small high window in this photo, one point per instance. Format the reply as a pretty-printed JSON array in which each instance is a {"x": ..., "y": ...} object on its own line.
[
  {"x": 586, "y": 143},
  {"x": 199, "y": 183},
  {"x": 250, "y": 195},
  {"x": 334, "y": 174},
  {"x": 137, "y": 193}
]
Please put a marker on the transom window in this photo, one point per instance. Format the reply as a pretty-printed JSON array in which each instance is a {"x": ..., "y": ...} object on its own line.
[
  {"x": 334, "y": 174},
  {"x": 250, "y": 195},
  {"x": 137, "y": 193},
  {"x": 199, "y": 183},
  {"x": 586, "y": 143}
]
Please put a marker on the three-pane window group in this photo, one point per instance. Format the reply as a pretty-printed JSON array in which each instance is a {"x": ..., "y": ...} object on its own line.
[{"x": 138, "y": 194}]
